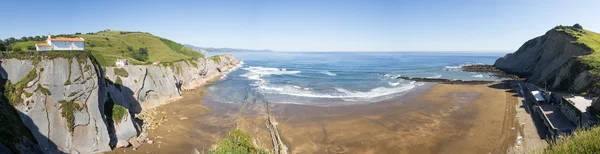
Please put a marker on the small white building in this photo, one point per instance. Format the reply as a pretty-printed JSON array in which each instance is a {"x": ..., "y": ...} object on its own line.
[
  {"x": 122, "y": 62},
  {"x": 538, "y": 97},
  {"x": 61, "y": 43}
]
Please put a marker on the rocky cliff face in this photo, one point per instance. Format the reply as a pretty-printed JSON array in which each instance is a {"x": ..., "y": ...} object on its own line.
[
  {"x": 552, "y": 59},
  {"x": 67, "y": 103}
]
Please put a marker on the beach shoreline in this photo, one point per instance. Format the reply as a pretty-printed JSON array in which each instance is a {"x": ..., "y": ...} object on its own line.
[{"x": 434, "y": 118}]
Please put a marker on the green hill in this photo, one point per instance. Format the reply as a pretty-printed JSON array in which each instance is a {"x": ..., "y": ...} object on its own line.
[
  {"x": 588, "y": 39},
  {"x": 138, "y": 47}
]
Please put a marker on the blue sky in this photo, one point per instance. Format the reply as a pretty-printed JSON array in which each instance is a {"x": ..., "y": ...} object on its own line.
[{"x": 320, "y": 25}]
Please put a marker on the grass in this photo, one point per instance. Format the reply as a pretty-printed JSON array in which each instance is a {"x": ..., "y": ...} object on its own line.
[
  {"x": 13, "y": 92},
  {"x": 587, "y": 39},
  {"x": 108, "y": 46},
  {"x": 67, "y": 109},
  {"x": 118, "y": 112},
  {"x": 236, "y": 142},
  {"x": 216, "y": 59},
  {"x": 118, "y": 81},
  {"x": 121, "y": 72},
  {"x": 580, "y": 142},
  {"x": 23, "y": 45},
  {"x": 44, "y": 91}
]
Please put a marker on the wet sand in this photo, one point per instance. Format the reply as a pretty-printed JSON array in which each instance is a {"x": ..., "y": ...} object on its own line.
[
  {"x": 438, "y": 118},
  {"x": 206, "y": 124},
  {"x": 444, "y": 119}
]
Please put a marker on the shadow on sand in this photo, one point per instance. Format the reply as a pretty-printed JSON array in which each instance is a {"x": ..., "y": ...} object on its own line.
[{"x": 512, "y": 86}]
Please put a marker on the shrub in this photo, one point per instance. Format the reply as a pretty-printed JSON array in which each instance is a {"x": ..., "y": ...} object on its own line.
[
  {"x": 44, "y": 91},
  {"x": 578, "y": 26},
  {"x": 13, "y": 92},
  {"x": 118, "y": 81},
  {"x": 216, "y": 59},
  {"x": 236, "y": 142},
  {"x": 141, "y": 55},
  {"x": 581, "y": 141},
  {"x": 67, "y": 109},
  {"x": 118, "y": 112},
  {"x": 121, "y": 72}
]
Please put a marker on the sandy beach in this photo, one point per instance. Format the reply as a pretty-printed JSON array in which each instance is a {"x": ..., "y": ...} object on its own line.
[{"x": 436, "y": 118}]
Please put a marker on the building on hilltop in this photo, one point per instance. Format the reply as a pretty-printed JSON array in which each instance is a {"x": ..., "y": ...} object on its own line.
[
  {"x": 61, "y": 43},
  {"x": 122, "y": 62}
]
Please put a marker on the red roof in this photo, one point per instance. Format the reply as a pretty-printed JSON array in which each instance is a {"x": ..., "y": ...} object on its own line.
[
  {"x": 67, "y": 39},
  {"x": 42, "y": 44}
]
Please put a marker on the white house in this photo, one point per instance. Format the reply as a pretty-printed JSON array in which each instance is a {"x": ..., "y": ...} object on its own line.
[
  {"x": 122, "y": 62},
  {"x": 61, "y": 43}
]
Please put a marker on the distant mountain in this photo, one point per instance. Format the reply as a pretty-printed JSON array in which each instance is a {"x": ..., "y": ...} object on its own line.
[{"x": 210, "y": 49}]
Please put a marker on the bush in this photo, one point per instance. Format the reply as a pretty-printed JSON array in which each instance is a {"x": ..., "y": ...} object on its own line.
[
  {"x": 581, "y": 142},
  {"x": 121, "y": 72},
  {"x": 118, "y": 81},
  {"x": 236, "y": 142},
  {"x": 578, "y": 26},
  {"x": 141, "y": 55},
  {"x": 118, "y": 112},
  {"x": 66, "y": 111}
]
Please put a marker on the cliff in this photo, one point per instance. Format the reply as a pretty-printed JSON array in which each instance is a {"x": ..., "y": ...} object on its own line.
[
  {"x": 562, "y": 59},
  {"x": 70, "y": 104}
]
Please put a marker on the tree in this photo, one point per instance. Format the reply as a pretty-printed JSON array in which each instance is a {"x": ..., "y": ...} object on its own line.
[
  {"x": 38, "y": 38},
  {"x": 11, "y": 40},
  {"x": 578, "y": 26},
  {"x": 2, "y": 46},
  {"x": 31, "y": 48},
  {"x": 30, "y": 38},
  {"x": 23, "y": 38},
  {"x": 141, "y": 55}
]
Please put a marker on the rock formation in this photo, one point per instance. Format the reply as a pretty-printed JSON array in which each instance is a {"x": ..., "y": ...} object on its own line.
[
  {"x": 552, "y": 59},
  {"x": 68, "y": 103}
]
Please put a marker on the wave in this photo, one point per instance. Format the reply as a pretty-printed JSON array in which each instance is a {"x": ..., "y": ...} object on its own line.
[
  {"x": 478, "y": 75},
  {"x": 394, "y": 83},
  {"x": 340, "y": 94},
  {"x": 255, "y": 73},
  {"x": 231, "y": 70},
  {"x": 435, "y": 76},
  {"x": 328, "y": 73}
]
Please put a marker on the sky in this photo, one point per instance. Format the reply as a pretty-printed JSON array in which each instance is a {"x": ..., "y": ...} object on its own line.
[{"x": 310, "y": 25}]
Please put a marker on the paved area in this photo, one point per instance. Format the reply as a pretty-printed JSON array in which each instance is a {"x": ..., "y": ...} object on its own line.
[
  {"x": 533, "y": 131},
  {"x": 557, "y": 118}
]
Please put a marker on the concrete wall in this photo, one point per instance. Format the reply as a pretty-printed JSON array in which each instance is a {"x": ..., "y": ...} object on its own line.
[
  {"x": 66, "y": 45},
  {"x": 43, "y": 48}
]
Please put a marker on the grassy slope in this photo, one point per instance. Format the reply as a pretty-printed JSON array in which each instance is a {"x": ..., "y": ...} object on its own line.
[
  {"x": 111, "y": 45},
  {"x": 589, "y": 39},
  {"x": 581, "y": 142},
  {"x": 24, "y": 45}
]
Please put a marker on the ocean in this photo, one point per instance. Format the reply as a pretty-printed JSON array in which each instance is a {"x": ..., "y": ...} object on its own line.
[{"x": 339, "y": 77}]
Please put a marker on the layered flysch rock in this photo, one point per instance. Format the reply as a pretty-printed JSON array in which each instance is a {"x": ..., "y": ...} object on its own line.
[
  {"x": 63, "y": 105},
  {"x": 551, "y": 60}
]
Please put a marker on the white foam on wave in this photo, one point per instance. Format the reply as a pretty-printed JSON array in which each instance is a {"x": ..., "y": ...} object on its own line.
[
  {"x": 255, "y": 73},
  {"x": 394, "y": 83},
  {"x": 341, "y": 93},
  {"x": 478, "y": 75},
  {"x": 435, "y": 76},
  {"x": 231, "y": 70},
  {"x": 328, "y": 73}
]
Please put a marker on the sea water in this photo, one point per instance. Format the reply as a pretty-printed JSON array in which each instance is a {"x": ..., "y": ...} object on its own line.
[{"x": 339, "y": 77}]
